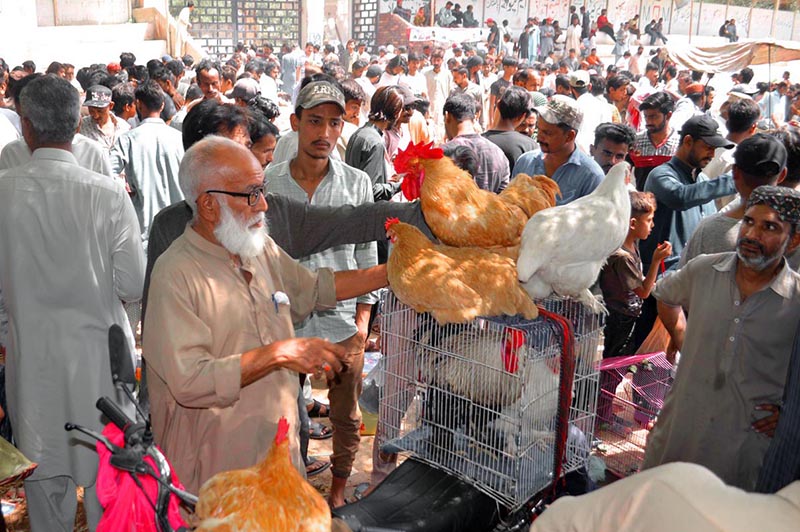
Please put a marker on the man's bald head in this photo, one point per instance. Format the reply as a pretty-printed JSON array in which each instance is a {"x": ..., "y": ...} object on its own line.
[{"x": 214, "y": 163}]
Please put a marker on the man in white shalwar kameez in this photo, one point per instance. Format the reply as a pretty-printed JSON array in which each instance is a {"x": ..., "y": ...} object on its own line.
[{"x": 71, "y": 254}]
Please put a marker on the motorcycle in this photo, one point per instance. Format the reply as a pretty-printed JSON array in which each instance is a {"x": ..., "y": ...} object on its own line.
[{"x": 134, "y": 453}]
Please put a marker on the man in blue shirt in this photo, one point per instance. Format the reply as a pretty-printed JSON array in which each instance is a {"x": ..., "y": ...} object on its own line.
[
  {"x": 684, "y": 195},
  {"x": 576, "y": 173}
]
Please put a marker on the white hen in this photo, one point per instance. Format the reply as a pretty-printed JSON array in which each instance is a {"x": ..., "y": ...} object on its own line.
[{"x": 563, "y": 248}]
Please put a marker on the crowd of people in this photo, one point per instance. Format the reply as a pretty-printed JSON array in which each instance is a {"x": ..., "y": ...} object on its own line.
[{"x": 171, "y": 182}]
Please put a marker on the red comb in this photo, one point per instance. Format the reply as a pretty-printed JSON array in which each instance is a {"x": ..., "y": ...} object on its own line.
[
  {"x": 415, "y": 151},
  {"x": 514, "y": 339},
  {"x": 283, "y": 431},
  {"x": 390, "y": 222}
]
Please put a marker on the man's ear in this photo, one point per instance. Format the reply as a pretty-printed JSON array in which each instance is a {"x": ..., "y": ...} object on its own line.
[
  {"x": 294, "y": 121},
  {"x": 794, "y": 241},
  {"x": 208, "y": 208}
]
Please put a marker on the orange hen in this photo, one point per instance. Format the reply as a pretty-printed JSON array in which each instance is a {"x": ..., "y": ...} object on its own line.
[
  {"x": 454, "y": 284},
  {"x": 268, "y": 497},
  {"x": 461, "y": 214}
]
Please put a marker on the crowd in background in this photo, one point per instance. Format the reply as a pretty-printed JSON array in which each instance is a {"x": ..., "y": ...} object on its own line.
[{"x": 541, "y": 102}]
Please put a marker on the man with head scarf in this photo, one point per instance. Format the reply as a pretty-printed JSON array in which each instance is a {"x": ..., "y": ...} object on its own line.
[{"x": 735, "y": 345}]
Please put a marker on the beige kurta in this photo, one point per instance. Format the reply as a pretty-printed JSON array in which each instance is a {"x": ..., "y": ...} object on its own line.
[
  {"x": 201, "y": 315},
  {"x": 735, "y": 356},
  {"x": 675, "y": 497}
]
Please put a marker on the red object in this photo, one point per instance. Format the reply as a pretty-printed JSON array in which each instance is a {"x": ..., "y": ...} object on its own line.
[
  {"x": 513, "y": 341},
  {"x": 565, "y": 388},
  {"x": 126, "y": 507},
  {"x": 283, "y": 431},
  {"x": 390, "y": 222},
  {"x": 407, "y": 162}
]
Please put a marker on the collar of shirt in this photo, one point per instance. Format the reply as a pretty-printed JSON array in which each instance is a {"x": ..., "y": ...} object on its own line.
[
  {"x": 683, "y": 169},
  {"x": 152, "y": 121},
  {"x": 207, "y": 246},
  {"x": 55, "y": 154},
  {"x": 781, "y": 284},
  {"x": 283, "y": 170}
]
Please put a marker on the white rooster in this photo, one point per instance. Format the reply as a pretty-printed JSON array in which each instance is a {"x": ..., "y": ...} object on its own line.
[{"x": 564, "y": 248}]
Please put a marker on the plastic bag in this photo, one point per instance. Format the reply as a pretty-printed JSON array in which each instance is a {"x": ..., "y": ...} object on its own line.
[
  {"x": 657, "y": 341},
  {"x": 371, "y": 391}
]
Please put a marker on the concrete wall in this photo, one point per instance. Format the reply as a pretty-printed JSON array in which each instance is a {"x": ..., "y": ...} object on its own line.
[
  {"x": 78, "y": 12},
  {"x": 706, "y": 18}
]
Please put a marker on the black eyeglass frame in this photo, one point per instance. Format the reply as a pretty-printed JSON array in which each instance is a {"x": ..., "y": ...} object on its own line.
[{"x": 252, "y": 196}]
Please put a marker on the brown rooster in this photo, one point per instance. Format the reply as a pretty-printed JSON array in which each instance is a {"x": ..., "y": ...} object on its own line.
[
  {"x": 268, "y": 497},
  {"x": 461, "y": 214},
  {"x": 454, "y": 284}
]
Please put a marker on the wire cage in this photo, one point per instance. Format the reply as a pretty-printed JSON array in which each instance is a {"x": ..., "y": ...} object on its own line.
[
  {"x": 631, "y": 396},
  {"x": 480, "y": 400}
]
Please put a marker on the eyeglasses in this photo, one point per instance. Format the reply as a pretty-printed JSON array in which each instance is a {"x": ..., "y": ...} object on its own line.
[{"x": 252, "y": 196}]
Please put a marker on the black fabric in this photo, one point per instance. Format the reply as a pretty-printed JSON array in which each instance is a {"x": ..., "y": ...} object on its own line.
[
  {"x": 418, "y": 497},
  {"x": 513, "y": 144},
  {"x": 5, "y": 425},
  {"x": 618, "y": 335}
]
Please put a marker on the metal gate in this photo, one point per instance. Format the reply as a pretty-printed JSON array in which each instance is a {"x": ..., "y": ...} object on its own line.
[
  {"x": 365, "y": 22},
  {"x": 219, "y": 24}
]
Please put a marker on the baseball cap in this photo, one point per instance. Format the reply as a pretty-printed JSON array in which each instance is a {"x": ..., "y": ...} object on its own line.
[
  {"x": 561, "y": 110},
  {"x": 246, "y": 89},
  {"x": 490, "y": 21},
  {"x": 704, "y": 127},
  {"x": 319, "y": 92},
  {"x": 98, "y": 96},
  {"x": 408, "y": 96},
  {"x": 760, "y": 155},
  {"x": 694, "y": 88},
  {"x": 579, "y": 78},
  {"x": 113, "y": 68},
  {"x": 166, "y": 58},
  {"x": 374, "y": 71}
]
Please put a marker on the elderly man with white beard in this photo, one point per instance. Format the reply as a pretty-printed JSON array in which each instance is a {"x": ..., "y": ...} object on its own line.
[
  {"x": 743, "y": 308},
  {"x": 222, "y": 358}
]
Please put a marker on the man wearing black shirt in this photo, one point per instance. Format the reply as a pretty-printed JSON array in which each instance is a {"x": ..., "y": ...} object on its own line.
[{"x": 512, "y": 109}]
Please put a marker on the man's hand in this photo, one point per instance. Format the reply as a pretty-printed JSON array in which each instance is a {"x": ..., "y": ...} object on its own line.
[
  {"x": 310, "y": 355},
  {"x": 767, "y": 425},
  {"x": 303, "y": 355}
]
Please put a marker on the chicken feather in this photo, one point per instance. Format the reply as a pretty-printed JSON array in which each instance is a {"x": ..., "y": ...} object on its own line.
[
  {"x": 461, "y": 214},
  {"x": 564, "y": 248},
  {"x": 454, "y": 284}
]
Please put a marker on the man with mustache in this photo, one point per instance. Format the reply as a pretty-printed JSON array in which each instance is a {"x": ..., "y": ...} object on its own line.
[
  {"x": 576, "y": 173},
  {"x": 684, "y": 195},
  {"x": 222, "y": 359},
  {"x": 758, "y": 160},
  {"x": 314, "y": 177},
  {"x": 743, "y": 306}
]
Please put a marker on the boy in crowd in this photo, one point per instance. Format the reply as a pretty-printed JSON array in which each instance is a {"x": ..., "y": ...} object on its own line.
[{"x": 622, "y": 281}]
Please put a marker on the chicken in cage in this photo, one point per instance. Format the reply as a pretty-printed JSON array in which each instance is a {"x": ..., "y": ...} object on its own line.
[
  {"x": 481, "y": 400},
  {"x": 632, "y": 393}
]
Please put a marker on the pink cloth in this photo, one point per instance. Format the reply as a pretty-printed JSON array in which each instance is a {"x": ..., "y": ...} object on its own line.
[{"x": 126, "y": 507}]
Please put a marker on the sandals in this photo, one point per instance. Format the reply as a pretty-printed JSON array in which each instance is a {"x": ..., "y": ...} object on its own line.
[
  {"x": 318, "y": 431},
  {"x": 319, "y": 410},
  {"x": 315, "y": 466}
]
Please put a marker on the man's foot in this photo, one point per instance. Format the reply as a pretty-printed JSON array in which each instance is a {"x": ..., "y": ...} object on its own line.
[
  {"x": 315, "y": 466},
  {"x": 318, "y": 431},
  {"x": 318, "y": 409}
]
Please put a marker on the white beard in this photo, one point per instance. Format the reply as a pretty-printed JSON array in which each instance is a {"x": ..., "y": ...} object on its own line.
[
  {"x": 237, "y": 236},
  {"x": 763, "y": 262}
]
